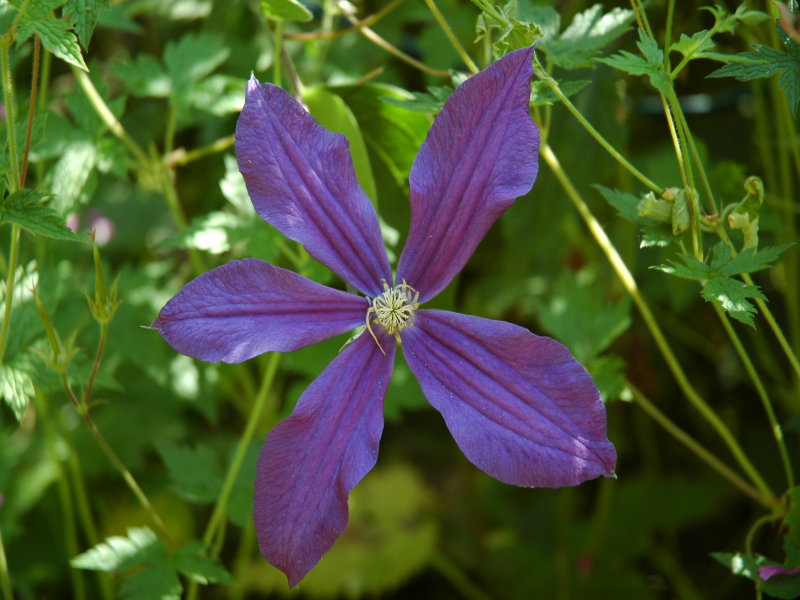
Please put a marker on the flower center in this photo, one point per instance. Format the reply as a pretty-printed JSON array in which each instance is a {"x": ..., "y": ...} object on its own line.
[{"x": 394, "y": 309}]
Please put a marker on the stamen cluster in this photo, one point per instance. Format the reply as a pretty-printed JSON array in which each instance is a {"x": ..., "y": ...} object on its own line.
[{"x": 394, "y": 309}]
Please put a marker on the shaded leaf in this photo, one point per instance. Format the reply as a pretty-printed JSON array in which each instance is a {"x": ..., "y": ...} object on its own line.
[
  {"x": 286, "y": 10},
  {"x": 83, "y": 14},
  {"x": 23, "y": 208},
  {"x": 195, "y": 472},
  {"x": 190, "y": 561}
]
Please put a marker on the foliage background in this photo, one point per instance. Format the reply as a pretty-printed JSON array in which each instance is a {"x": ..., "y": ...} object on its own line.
[{"x": 156, "y": 180}]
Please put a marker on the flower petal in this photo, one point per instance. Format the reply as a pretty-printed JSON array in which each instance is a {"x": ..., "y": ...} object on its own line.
[
  {"x": 312, "y": 459},
  {"x": 518, "y": 405},
  {"x": 248, "y": 307},
  {"x": 480, "y": 154},
  {"x": 301, "y": 180}
]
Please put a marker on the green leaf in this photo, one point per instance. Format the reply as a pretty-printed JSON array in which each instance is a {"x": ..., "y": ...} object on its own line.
[
  {"x": 653, "y": 233},
  {"x": 189, "y": 60},
  {"x": 144, "y": 76},
  {"x": 393, "y": 133},
  {"x": 190, "y": 561},
  {"x": 83, "y": 15},
  {"x": 121, "y": 553},
  {"x": 16, "y": 388},
  {"x": 765, "y": 62},
  {"x": 56, "y": 36},
  {"x": 747, "y": 261},
  {"x": 589, "y": 32},
  {"x": 694, "y": 44},
  {"x": 332, "y": 112},
  {"x": 580, "y": 317},
  {"x": 196, "y": 473},
  {"x": 285, "y": 10},
  {"x": 23, "y": 208},
  {"x": 156, "y": 582},
  {"x": 650, "y": 63},
  {"x": 731, "y": 296}
]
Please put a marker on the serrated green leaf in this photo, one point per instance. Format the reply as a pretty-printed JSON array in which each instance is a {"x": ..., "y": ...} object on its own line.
[
  {"x": 196, "y": 473},
  {"x": 189, "y": 60},
  {"x": 16, "y": 388},
  {"x": 121, "y": 553},
  {"x": 56, "y": 36},
  {"x": 589, "y": 32},
  {"x": 285, "y": 10},
  {"x": 688, "y": 268},
  {"x": 650, "y": 63},
  {"x": 332, "y": 112},
  {"x": 731, "y": 296},
  {"x": 157, "y": 582},
  {"x": 69, "y": 177},
  {"x": 765, "y": 62},
  {"x": 624, "y": 203},
  {"x": 190, "y": 561},
  {"x": 23, "y": 208},
  {"x": 687, "y": 45},
  {"x": 747, "y": 261},
  {"x": 83, "y": 14}
]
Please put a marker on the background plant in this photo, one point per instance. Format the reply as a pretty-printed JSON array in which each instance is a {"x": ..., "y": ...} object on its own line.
[{"x": 657, "y": 244}]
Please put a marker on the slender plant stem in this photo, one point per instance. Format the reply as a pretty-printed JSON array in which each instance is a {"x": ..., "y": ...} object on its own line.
[
  {"x": 329, "y": 35},
  {"x": 218, "y": 515},
  {"x": 668, "y": 32},
  {"x": 96, "y": 365},
  {"x": 777, "y": 432},
  {"x": 776, "y": 329},
  {"x": 5, "y": 577},
  {"x": 553, "y": 85},
  {"x": 31, "y": 110},
  {"x": 437, "y": 14},
  {"x": 105, "y": 114},
  {"x": 118, "y": 464},
  {"x": 8, "y": 95},
  {"x": 182, "y": 157},
  {"x": 688, "y": 441},
  {"x": 625, "y": 276},
  {"x": 394, "y": 51},
  {"x": 169, "y": 130},
  {"x": 221, "y": 507}
]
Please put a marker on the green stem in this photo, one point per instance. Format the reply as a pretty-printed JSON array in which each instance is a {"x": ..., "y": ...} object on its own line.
[
  {"x": 553, "y": 85},
  {"x": 328, "y": 34},
  {"x": 221, "y": 506},
  {"x": 175, "y": 209},
  {"x": 688, "y": 441},
  {"x": 169, "y": 133},
  {"x": 688, "y": 56},
  {"x": 450, "y": 36},
  {"x": 776, "y": 329},
  {"x": 95, "y": 366},
  {"x": 218, "y": 515},
  {"x": 777, "y": 432},
  {"x": 396, "y": 52},
  {"x": 668, "y": 32},
  {"x": 13, "y": 183},
  {"x": 182, "y": 157},
  {"x": 118, "y": 464},
  {"x": 31, "y": 110},
  {"x": 625, "y": 276},
  {"x": 5, "y": 578},
  {"x": 105, "y": 114}
]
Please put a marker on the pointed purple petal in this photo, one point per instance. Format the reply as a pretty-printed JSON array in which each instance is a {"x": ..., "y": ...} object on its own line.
[
  {"x": 248, "y": 307},
  {"x": 767, "y": 572},
  {"x": 312, "y": 460},
  {"x": 480, "y": 154},
  {"x": 518, "y": 405},
  {"x": 301, "y": 180}
]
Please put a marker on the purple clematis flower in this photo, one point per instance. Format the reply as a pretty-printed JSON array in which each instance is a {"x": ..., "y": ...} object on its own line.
[{"x": 518, "y": 405}]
